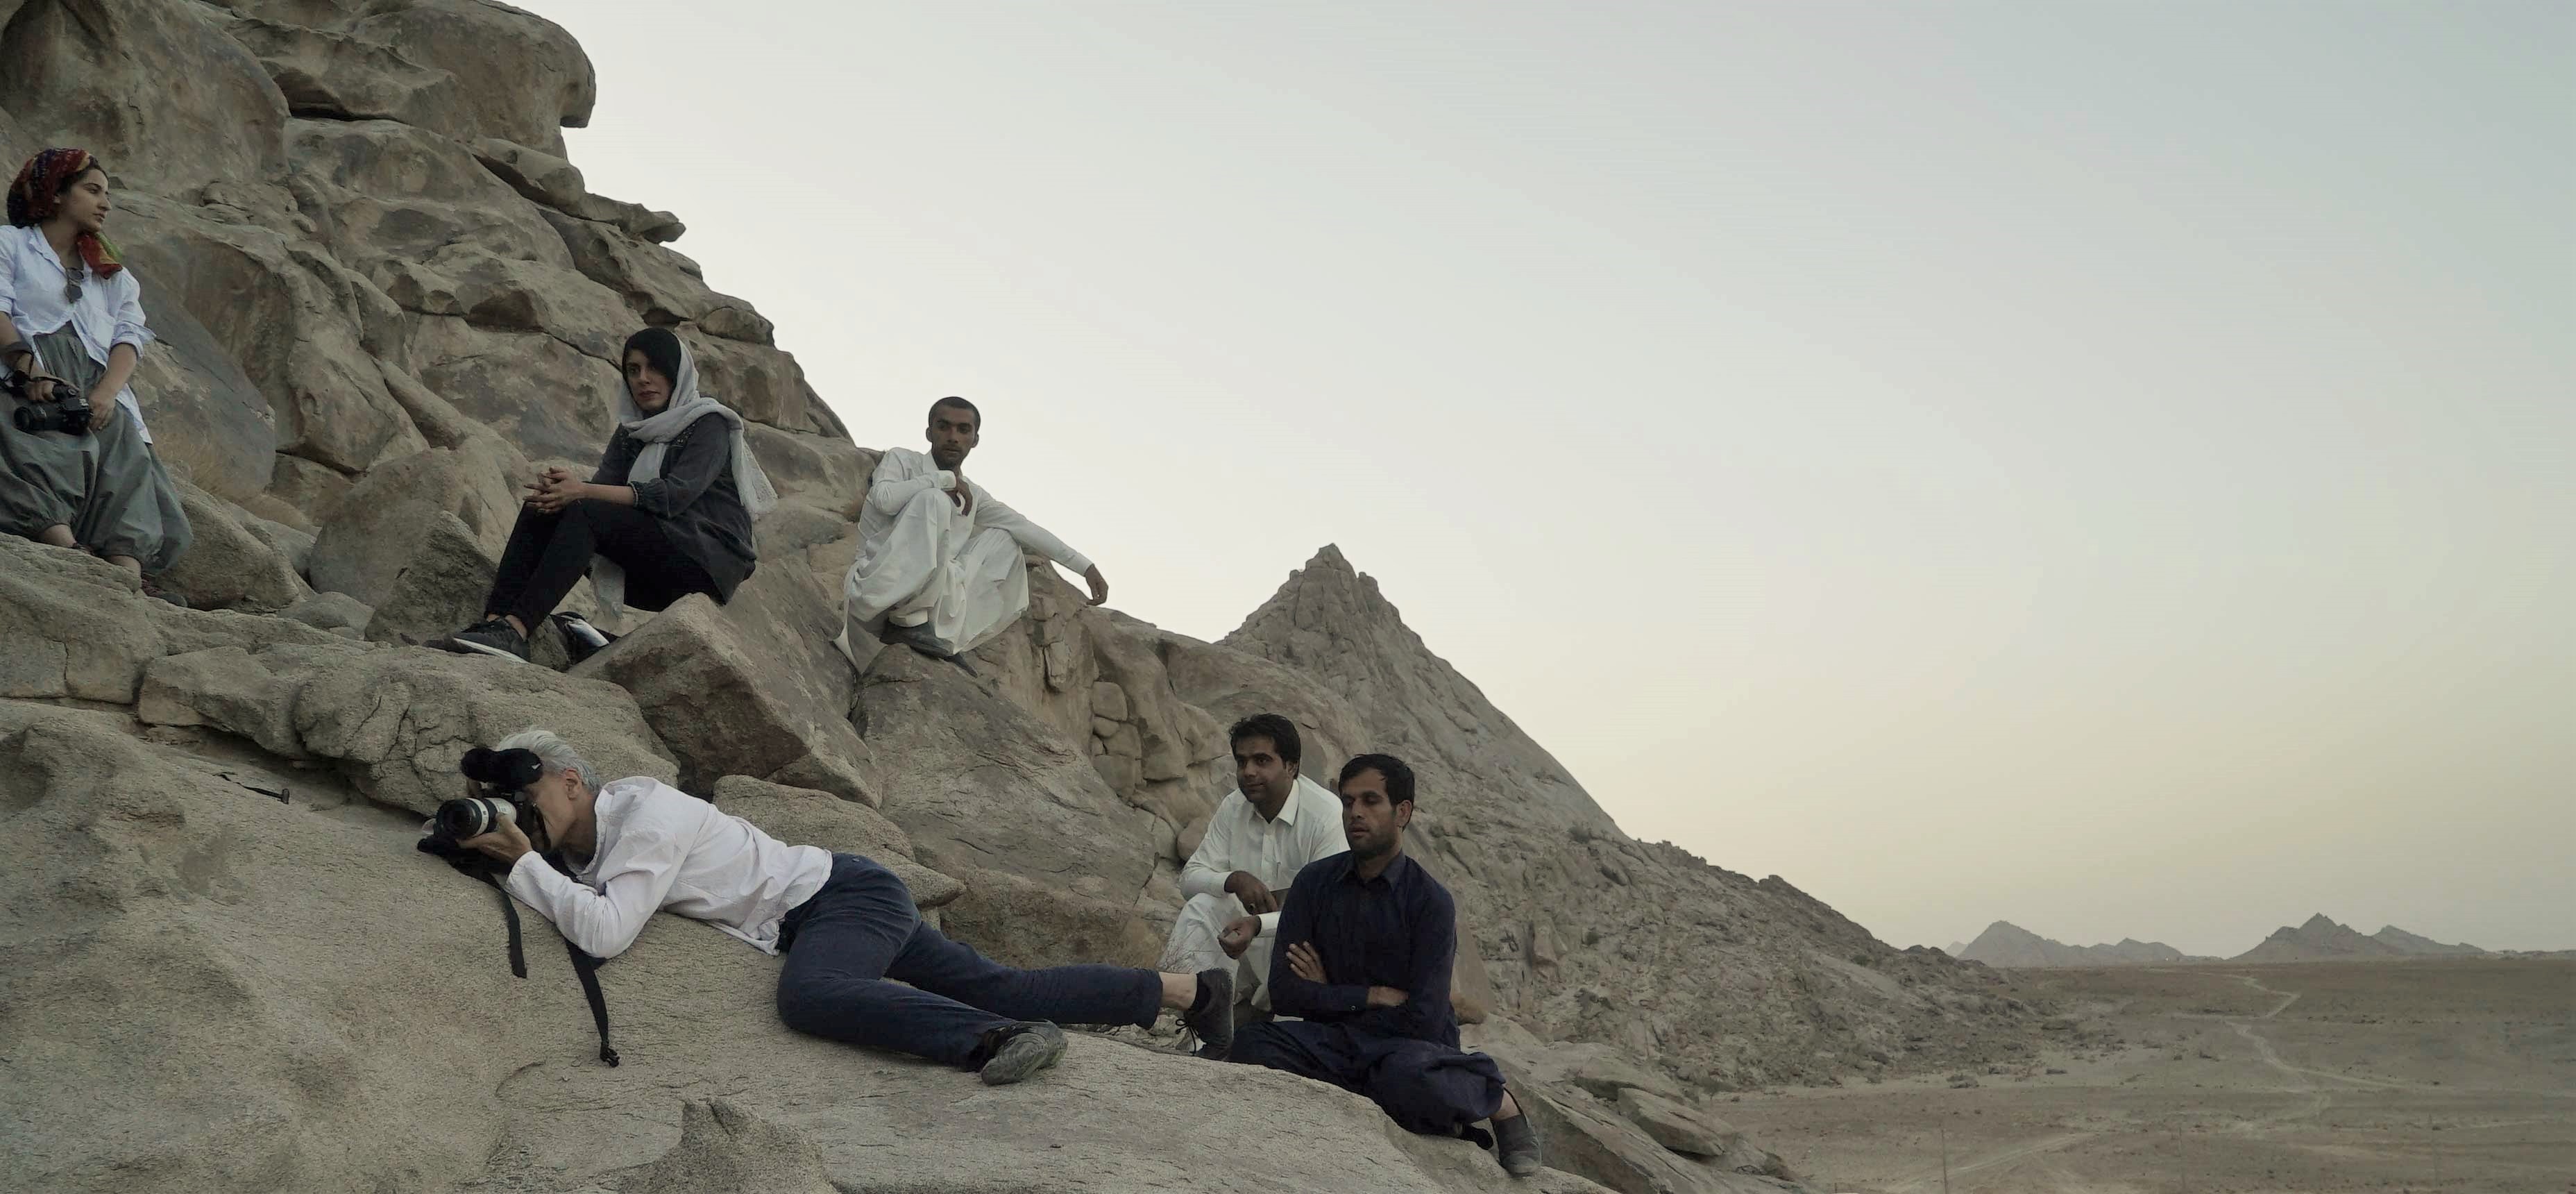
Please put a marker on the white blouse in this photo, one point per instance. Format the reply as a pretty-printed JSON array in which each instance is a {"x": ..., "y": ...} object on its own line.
[
  {"x": 660, "y": 848},
  {"x": 109, "y": 313}
]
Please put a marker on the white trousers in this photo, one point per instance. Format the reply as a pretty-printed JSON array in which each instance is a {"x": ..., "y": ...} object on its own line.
[
  {"x": 1194, "y": 947},
  {"x": 934, "y": 567}
]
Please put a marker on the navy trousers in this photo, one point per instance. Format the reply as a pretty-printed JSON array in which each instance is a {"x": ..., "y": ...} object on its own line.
[
  {"x": 852, "y": 948},
  {"x": 1424, "y": 1087}
]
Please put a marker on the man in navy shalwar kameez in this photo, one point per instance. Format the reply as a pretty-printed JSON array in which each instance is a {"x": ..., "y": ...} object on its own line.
[{"x": 1366, "y": 941}]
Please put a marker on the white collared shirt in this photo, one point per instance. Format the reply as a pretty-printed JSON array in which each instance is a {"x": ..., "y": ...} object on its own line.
[
  {"x": 109, "y": 313},
  {"x": 661, "y": 848},
  {"x": 1239, "y": 838}
]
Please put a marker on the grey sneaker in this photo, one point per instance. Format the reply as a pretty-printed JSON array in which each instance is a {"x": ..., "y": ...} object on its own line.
[
  {"x": 491, "y": 636},
  {"x": 1214, "y": 1023},
  {"x": 1516, "y": 1145},
  {"x": 1032, "y": 1047}
]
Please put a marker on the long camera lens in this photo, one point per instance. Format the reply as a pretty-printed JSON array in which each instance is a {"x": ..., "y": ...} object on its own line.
[{"x": 472, "y": 816}]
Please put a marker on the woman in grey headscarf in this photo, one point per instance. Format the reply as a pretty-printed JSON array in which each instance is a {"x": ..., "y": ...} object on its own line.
[{"x": 668, "y": 513}]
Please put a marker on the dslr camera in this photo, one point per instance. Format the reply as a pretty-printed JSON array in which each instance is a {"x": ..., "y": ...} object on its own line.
[
  {"x": 501, "y": 779},
  {"x": 68, "y": 413}
]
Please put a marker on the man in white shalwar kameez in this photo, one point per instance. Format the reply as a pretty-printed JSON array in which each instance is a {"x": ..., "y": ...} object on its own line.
[
  {"x": 1264, "y": 832},
  {"x": 940, "y": 565}
]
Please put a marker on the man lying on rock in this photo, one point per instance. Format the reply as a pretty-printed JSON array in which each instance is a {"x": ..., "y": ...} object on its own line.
[
  {"x": 940, "y": 565},
  {"x": 847, "y": 925},
  {"x": 667, "y": 514},
  {"x": 1264, "y": 832},
  {"x": 1365, "y": 945}
]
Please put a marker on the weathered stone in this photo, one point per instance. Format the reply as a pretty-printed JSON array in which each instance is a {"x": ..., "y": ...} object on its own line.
[
  {"x": 826, "y": 470},
  {"x": 379, "y": 527},
  {"x": 74, "y": 625},
  {"x": 332, "y": 611},
  {"x": 1108, "y": 701},
  {"x": 723, "y": 1147},
  {"x": 438, "y": 589},
  {"x": 814, "y": 818},
  {"x": 980, "y": 785},
  {"x": 155, "y": 89},
  {"x": 323, "y": 73},
  {"x": 182, "y": 947},
  {"x": 228, "y": 567},
  {"x": 222, "y": 687},
  {"x": 753, "y": 687},
  {"x": 542, "y": 177},
  {"x": 653, "y": 281},
  {"x": 282, "y": 309},
  {"x": 398, "y": 720}
]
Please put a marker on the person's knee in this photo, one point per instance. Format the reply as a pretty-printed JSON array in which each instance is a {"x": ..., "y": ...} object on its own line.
[
  {"x": 931, "y": 500},
  {"x": 804, "y": 1005},
  {"x": 1208, "y": 908}
]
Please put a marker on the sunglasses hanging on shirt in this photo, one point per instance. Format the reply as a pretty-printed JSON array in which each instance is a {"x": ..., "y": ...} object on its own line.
[{"x": 72, "y": 280}]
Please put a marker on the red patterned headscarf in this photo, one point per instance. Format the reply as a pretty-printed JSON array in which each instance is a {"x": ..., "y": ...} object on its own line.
[{"x": 39, "y": 190}]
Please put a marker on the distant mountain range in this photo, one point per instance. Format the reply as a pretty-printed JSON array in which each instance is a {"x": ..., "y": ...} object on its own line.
[
  {"x": 2005, "y": 944},
  {"x": 2323, "y": 940}
]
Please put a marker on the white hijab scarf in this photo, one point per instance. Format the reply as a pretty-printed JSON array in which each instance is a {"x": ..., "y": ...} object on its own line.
[{"x": 656, "y": 432}]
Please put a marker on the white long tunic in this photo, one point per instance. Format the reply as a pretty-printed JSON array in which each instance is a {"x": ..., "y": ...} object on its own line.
[
  {"x": 921, "y": 560},
  {"x": 1239, "y": 838},
  {"x": 659, "y": 847},
  {"x": 109, "y": 313}
]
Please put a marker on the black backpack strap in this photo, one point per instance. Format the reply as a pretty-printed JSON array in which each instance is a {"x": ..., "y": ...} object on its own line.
[
  {"x": 509, "y": 915},
  {"x": 583, "y": 965},
  {"x": 588, "y": 968}
]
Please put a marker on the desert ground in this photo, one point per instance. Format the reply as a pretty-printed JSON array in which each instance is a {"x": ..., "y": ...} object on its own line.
[{"x": 2428, "y": 1075}]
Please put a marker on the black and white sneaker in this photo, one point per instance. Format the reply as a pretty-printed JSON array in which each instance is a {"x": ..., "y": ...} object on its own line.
[
  {"x": 491, "y": 636},
  {"x": 1211, "y": 1015},
  {"x": 581, "y": 639},
  {"x": 1027, "y": 1049}
]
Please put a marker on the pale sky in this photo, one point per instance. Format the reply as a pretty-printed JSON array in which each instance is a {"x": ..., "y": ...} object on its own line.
[{"x": 2104, "y": 467}]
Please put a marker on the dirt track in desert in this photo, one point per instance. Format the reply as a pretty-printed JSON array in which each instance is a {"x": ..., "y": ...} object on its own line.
[{"x": 2432, "y": 1075}]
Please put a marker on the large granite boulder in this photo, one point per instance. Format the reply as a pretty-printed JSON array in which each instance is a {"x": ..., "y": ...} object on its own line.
[
  {"x": 213, "y": 989},
  {"x": 752, "y": 687}
]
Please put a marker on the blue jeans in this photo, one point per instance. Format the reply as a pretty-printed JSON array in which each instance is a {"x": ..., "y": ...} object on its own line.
[{"x": 852, "y": 947}]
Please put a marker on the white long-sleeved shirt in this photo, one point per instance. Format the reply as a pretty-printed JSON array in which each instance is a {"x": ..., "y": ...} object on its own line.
[
  {"x": 109, "y": 313},
  {"x": 659, "y": 847},
  {"x": 1238, "y": 838},
  {"x": 902, "y": 473}
]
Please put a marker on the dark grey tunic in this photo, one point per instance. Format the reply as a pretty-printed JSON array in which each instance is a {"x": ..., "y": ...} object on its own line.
[{"x": 695, "y": 497}]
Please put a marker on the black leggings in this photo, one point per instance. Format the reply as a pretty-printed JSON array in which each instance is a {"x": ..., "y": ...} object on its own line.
[{"x": 550, "y": 553}]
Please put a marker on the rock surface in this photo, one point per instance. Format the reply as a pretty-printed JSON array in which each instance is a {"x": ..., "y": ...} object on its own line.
[{"x": 386, "y": 298}]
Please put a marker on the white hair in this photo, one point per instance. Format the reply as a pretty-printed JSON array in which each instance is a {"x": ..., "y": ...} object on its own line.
[{"x": 553, "y": 751}]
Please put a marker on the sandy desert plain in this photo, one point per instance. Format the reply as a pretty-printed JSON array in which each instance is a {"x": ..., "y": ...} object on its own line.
[{"x": 2423, "y": 1075}]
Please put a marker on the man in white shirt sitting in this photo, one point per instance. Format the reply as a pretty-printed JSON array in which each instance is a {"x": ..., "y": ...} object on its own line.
[
  {"x": 940, "y": 567},
  {"x": 852, "y": 937},
  {"x": 1264, "y": 832}
]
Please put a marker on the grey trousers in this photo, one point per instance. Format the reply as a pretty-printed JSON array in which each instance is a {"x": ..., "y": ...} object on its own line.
[{"x": 106, "y": 486}]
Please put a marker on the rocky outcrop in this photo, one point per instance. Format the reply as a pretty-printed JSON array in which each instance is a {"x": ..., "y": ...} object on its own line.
[
  {"x": 385, "y": 298},
  {"x": 2422, "y": 947},
  {"x": 1587, "y": 933},
  {"x": 2009, "y": 945},
  {"x": 2322, "y": 939}
]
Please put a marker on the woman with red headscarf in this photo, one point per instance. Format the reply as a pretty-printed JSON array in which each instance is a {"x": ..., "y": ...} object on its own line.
[{"x": 71, "y": 326}]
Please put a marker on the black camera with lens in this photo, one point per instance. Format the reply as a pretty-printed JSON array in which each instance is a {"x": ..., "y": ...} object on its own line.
[
  {"x": 68, "y": 413},
  {"x": 501, "y": 779}
]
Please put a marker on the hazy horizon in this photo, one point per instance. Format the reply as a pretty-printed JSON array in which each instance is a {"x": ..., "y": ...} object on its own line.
[{"x": 2105, "y": 469}]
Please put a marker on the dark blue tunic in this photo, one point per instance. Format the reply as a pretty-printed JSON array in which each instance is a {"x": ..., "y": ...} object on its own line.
[{"x": 1398, "y": 930}]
